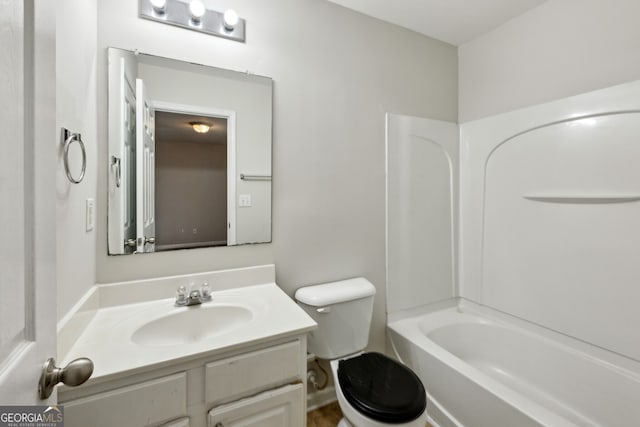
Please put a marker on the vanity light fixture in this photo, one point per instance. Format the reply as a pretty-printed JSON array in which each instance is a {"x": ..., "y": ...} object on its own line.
[
  {"x": 193, "y": 15},
  {"x": 200, "y": 127}
]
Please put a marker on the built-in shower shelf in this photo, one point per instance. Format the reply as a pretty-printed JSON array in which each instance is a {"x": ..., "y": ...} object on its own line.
[{"x": 583, "y": 198}]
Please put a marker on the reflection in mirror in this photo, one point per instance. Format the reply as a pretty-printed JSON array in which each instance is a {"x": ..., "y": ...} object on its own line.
[
  {"x": 191, "y": 180},
  {"x": 189, "y": 155}
]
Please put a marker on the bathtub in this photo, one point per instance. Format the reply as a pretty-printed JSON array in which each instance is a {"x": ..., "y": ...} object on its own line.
[{"x": 485, "y": 369}]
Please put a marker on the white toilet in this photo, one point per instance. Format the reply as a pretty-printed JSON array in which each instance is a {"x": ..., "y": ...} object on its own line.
[{"x": 372, "y": 389}]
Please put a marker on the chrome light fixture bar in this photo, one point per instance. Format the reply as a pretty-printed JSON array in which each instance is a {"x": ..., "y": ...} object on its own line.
[{"x": 193, "y": 15}]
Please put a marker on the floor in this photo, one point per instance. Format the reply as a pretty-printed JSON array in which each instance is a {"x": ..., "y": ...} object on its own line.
[{"x": 327, "y": 416}]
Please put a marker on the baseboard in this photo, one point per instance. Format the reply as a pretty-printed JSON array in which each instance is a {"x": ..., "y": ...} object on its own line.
[{"x": 320, "y": 398}]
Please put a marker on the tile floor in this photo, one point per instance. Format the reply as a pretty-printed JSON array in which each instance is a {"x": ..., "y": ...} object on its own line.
[{"x": 327, "y": 416}]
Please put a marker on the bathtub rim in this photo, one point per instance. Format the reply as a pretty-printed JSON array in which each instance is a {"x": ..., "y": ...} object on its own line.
[
  {"x": 621, "y": 363},
  {"x": 500, "y": 391},
  {"x": 407, "y": 325}
]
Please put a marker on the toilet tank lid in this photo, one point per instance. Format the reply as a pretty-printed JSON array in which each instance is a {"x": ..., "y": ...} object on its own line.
[{"x": 335, "y": 292}]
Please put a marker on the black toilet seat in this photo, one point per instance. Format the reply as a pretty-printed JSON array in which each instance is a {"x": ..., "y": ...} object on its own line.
[{"x": 381, "y": 388}]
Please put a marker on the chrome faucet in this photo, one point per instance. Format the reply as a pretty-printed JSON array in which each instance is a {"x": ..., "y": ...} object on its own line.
[{"x": 195, "y": 297}]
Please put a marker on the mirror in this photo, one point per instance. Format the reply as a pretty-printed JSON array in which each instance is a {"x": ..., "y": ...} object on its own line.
[{"x": 189, "y": 155}]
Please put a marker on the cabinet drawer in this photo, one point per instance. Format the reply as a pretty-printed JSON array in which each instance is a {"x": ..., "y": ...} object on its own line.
[
  {"x": 138, "y": 405},
  {"x": 249, "y": 373},
  {"x": 282, "y": 407}
]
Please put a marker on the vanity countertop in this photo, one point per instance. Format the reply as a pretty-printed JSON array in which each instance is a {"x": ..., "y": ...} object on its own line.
[{"x": 107, "y": 339}]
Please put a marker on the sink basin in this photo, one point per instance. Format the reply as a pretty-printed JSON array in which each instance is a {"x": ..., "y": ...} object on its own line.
[{"x": 191, "y": 324}]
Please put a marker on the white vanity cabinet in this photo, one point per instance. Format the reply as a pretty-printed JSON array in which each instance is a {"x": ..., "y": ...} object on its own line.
[{"x": 260, "y": 385}]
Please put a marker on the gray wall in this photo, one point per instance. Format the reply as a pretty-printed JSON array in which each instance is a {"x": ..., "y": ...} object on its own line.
[
  {"x": 559, "y": 49},
  {"x": 76, "y": 110},
  {"x": 336, "y": 73}
]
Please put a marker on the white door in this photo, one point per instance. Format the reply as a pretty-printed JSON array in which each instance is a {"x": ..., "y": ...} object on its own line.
[
  {"x": 27, "y": 190},
  {"x": 122, "y": 152},
  {"x": 145, "y": 170}
]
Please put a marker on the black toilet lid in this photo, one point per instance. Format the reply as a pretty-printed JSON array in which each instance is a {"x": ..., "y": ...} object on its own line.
[{"x": 381, "y": 388}]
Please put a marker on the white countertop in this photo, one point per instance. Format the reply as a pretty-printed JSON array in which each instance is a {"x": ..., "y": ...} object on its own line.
[{"x": 106, "y": 340}]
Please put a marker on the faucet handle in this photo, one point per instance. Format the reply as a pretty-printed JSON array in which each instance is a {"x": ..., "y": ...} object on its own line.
[
  {"x": 206, "y": 292},
  {"x": 181, "y": 295}
]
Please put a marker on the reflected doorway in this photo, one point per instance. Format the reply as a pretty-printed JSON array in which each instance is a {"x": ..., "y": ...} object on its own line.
[{"x": 191, "y": 181}]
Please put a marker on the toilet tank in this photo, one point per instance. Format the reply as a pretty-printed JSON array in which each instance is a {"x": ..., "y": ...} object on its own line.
[{"x": 343, "y": 312}]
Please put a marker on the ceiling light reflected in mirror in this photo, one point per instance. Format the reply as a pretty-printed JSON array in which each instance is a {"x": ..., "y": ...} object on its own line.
[{"x": 200, "y": 127}]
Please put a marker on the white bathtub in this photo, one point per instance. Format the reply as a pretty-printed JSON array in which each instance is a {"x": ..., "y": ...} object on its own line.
[{"x": 484, "y": 369}]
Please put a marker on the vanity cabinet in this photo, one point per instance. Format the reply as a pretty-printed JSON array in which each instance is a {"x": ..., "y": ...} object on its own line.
[{"x": 260, "y": 385}]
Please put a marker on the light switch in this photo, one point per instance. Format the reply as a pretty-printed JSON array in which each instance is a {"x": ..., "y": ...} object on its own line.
[
  {"x": 244, "y": 200},
  {"x": 90, "y": 213}
]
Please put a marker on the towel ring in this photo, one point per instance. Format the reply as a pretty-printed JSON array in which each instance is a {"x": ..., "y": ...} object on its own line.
[{"x": 69, "y": 138}]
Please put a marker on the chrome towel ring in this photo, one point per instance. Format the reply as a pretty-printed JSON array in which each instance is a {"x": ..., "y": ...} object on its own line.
[{"x": 69, "y": 138}]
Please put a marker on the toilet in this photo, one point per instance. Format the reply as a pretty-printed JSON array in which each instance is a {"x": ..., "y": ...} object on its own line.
[{"x": 372, "y": 389}]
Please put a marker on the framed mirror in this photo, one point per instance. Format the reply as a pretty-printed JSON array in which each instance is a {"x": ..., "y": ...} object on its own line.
[{"x": 189, "y": 155}]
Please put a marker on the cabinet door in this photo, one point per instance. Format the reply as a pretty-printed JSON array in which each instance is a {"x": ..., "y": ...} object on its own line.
[
  {"x": 148, "y": 403},
  {"x": 281, "y": 407}
]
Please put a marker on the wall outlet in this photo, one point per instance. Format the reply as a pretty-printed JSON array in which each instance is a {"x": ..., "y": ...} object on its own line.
[{"x": 244, "y": 200}]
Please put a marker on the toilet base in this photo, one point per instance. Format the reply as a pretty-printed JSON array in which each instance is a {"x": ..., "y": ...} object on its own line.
[{"x": 344, "y": 423}]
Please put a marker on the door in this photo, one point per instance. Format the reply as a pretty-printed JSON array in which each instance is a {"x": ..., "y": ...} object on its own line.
[
  {"x": 27, "y": 191},
  {"x": 122, "y": 153},
  {"x": 145, "y": 169}
]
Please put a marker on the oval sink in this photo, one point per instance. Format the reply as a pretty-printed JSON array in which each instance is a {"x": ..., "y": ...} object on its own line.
[{"x": 192, "y": 324}]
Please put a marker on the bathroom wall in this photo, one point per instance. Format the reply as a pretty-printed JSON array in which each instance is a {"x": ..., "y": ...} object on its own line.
[
  {"x": 336, "y": 73},
  {"x": 76, "y": 38},
  {"x": 560, "y": 48}
]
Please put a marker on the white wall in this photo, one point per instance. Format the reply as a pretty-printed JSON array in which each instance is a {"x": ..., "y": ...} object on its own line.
[
  {"x": 561, "y": 48},
  {"x": 335, "y": 75},
  {"x": 76, "y": 39}
]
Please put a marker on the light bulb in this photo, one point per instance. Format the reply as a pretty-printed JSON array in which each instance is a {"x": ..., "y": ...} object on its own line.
[
  {"x": 230, "y": 19},
  {"x": 200, "y": 127},
  {"x": 197, "y": 10},
  {"x": 158, "y": 5}
]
